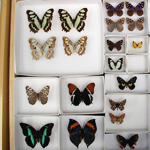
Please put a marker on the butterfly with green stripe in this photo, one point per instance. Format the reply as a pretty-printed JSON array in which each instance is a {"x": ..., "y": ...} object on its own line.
[
  {"x": 33, "y": 136},
  {"x": 68, "y": 23},
  {"x": 36, "y": 23}
]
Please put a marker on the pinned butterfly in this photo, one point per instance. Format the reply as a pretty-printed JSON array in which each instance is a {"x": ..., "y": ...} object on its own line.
[
  {"x": 115, "y": 119},
  {"x": 33, "y": 96},
  {"x": 79, "y": 47},
  {"x": 130, "y": 84},
  {"x": 131, "y": 141},
  {"x": 116, "y": 45},
  {"x": 111, "y": 10},
  {"x": 111, "y": 25},
  {"x": 77, "y": 133},
  {"x": 117, "y": 64},
  {"x": 36, "y": 23},
  {"x": 137, "y": 45},
  {"x": 68, "y": 23},
  {"x": 138, "y": 9},
  {"x": 45, "y": 50},
  {"x": 85, "y": 96},
  {"x": 33, "y": 136},
  {"x": 117, "y": 105}
]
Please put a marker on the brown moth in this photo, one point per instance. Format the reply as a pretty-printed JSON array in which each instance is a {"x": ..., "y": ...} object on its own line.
[
  {"x": 117, "y": 120},
  {"x": 117, "y": 105}
]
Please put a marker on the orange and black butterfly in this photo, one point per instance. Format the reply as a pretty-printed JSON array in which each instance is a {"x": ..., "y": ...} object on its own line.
[
  {"x": 85, "y": 96},
  {"x": 117, "y": 105},
  {"x": 137, "y": 45},
  {"x": 77, "y": 133},
  {"x": 131, "y": 141},
  {"x": 116, "y": 45},
  {"x": 117, "y": 120}
]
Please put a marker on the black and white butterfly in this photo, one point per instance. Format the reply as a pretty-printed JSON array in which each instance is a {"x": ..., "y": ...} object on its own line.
[
  {"x": 117, "y": 64},
  {"x": 123, "y": 84},
  {"x": 36, "y": 23},
  {"x": 68, "y": 23}
]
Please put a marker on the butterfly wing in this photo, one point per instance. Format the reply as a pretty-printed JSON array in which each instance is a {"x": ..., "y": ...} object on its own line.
[
  {"x": 75, "y": 132},
  {"x": 78, "y": 21},
  {"x": 118, "y": 45},
  {"x": 110, "y": 9},
  {"x": 122, "y": 83},
  {"x": 46, "y": 20},
  {"x": 30, "y": 133},
  {"x": 122, "y": 141},
  {"x": 140, "y": 44},
  {"x": 110, "y": 44},
  {"x": 119, "y": 24},
  {"x": 35, "y": 22},
  {"x": 134, "y": 44},
  {"x": 36, "y": 49},
  {"x": 119, "y": 8},
  {"x": 69, "y": 46},
  {"x": 32, "y": 95},
  {"x": 120, "y": 119},
  {"x": 87, "y": 93},
  {"x": 131, "y": 83},
  {"x": 75, "y": 94},
  {"x": 139, "y": 23},
  {"x": 43, "y": 95},
  {"x": 121, "y": 104},
  {"x": 48, "y": 51},
  {"x": 130, "y": 8},
  {"x": 89, "y": 132},
  {"x": 80, "y": 45},
  {"x": 111, "y": 64},
  {"x": 119, "y": 63},
  {"x": 132, "y": 141},
  {"x": 67, "y": 22},
  {"x": 110, "y": 25},
  {"x": 113, "y": 104},
  {"x": 131, "y": 24},
  {"x": 44, "y": 134},
  {"x": 139, "y": 7},
  {"x": 113, "y": 118}
]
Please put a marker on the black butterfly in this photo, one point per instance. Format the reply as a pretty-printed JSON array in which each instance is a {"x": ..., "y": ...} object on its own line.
[
  {"x": 130, "y": 83},
  {"x": 112, "y": 10},
  {"x": 137, "y": 9},
  {"x": 117, "y": 105},
  {"x": 33, "y": 136},
  {"x": 77, "y": 133},
  {"x": 117, "y": 64},
  {"x": 131, "y": 141},
  {"x": 68, "y": 23},
  {"x": 85, "y": 96},
  {"x": 116, "y": 45}
]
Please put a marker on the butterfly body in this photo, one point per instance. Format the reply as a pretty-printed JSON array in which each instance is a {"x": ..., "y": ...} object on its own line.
[
  {"x": 36, "y": 23},
  {"x": 131, "y": 141},
  {"x": 77, "y": 133},
  {"x": 117, "y": 120},
  {"x": 117, "y": 64},
  {"x": 68, "y": 23},
  {"x": 79, "y": 47},
  {"x": 130, "y": 83},
  {"x": 33, "y": 136},
  {"x": 117, "y": 105}
]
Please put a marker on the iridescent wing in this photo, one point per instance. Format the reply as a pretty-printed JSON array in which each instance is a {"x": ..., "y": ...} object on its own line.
[{"x": 43, "y": 95}]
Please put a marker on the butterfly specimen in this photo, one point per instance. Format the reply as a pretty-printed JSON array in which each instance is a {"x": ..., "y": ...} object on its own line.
[
  {"x": 116, "y": 45},
  {"x": 36, "y": 23},
  {"x": 123, "y": 84},
  {"x": 117, "y": 105},
  {"x": 77, "y": 133},
  {"x": 132, "y": 24},
  {"x": 79, "y": 47},
  {"x": 33, "y": 96},
  {"x": 112, "y": 25},
  {"x": 111, "y": 10},
  {"x": 117, "y": 64},
  {"x": 33, "y": 136},
  {"x": 68, "y": 23},
  {"x": 137, "y": 9},
  {"x": 77, "y": 96},
  {"x": 131, "y": 141},
  {"x": 137, "y": 45},
  {"x": 117, "y": 120},
  {"x": 45, "y": 50}
]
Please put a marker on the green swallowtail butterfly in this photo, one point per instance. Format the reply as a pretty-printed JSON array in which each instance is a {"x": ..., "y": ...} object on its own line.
[
  {"x": 117, "y": 64},
  {"x": 46, "y": 49},
  {"x": 33, "y": 136},
  {"x": 68, "y": 23},
  {"x": 36, "y": 23}
]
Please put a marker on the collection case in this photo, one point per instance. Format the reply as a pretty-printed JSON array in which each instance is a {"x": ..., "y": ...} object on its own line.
[{"x": 91, "y": 67}]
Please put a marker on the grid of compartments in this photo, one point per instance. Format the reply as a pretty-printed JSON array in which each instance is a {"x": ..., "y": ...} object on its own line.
[{"x": 81, "y": 71}]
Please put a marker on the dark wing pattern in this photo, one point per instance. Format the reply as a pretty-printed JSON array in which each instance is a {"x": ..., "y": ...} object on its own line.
[
  {"x": 132, "y": 141},
  {"x": 122, "y": 141},
  {"x": 131, "y": 83}
]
